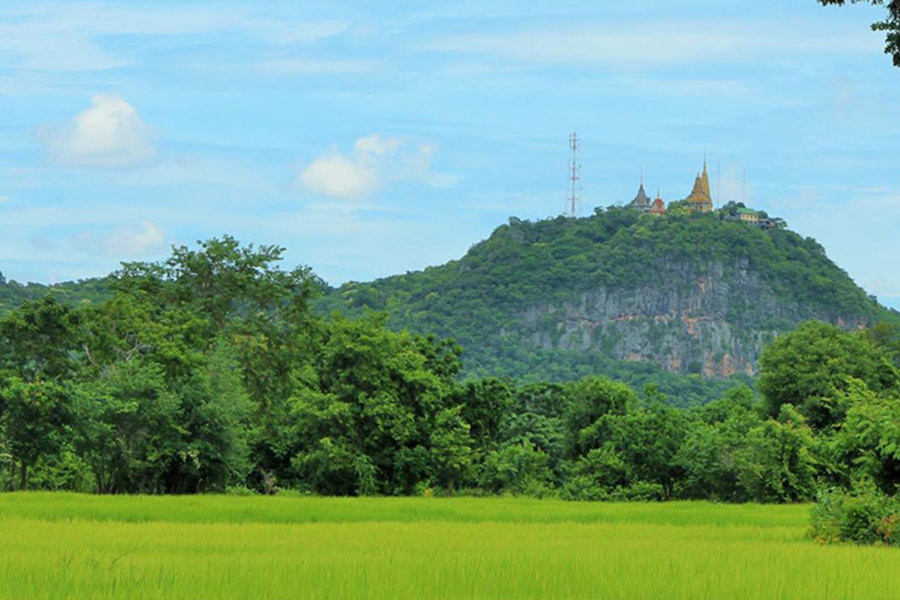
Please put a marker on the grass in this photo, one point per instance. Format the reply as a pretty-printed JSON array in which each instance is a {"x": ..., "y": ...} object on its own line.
[{"x": 74, "y": 546}]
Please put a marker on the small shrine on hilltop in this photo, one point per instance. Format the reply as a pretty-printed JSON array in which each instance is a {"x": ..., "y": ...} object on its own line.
[
  {"x": 641, "y": 202},
  {"x": 658, "y": 207}
]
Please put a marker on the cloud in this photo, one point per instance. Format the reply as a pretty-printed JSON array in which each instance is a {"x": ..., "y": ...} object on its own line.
[
  {"x": 123, "y": 242},
  {"x": 376, "y": 160},
  {"x": 5, "y": 199},
  {"x": 652, "y": 44},
  {"x": 109, "y": 134},
  {"x": 78, "y": 28},
  {"x": 336, "y": 176}
]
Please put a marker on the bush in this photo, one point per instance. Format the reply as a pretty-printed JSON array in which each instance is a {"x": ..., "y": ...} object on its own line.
[{"x": 862, "y": 516}]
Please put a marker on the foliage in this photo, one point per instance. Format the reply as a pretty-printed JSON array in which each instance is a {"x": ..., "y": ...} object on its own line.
[
  {"x": 867, "y": 444},
  {"x": 809, "y": 369},
  {"x": 865, "y": 515}
]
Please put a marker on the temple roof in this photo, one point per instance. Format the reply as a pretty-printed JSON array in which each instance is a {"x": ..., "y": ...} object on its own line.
[
  {"x": 641, "y": 200},
  {"x": 701, "y": 193}
]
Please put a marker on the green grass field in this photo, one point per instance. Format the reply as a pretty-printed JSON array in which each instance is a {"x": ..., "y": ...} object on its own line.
[{"x": 75, "y": 546}]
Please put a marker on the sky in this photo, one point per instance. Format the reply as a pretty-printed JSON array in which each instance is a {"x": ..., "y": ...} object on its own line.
[{"x": 375, "y": 138}]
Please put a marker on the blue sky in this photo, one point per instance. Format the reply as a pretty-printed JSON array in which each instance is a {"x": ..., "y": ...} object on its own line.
[{"x": 377, "y": 138}]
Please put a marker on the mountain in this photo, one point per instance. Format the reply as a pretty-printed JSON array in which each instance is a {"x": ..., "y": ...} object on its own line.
[{"x": 556, "y": 299}]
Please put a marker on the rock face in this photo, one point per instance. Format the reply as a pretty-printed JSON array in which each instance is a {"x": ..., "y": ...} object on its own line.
[{"x": 714, "y": 322}]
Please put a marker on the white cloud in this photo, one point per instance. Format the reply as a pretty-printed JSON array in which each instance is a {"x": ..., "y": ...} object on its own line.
[
  {"x": 109, "y": 134},
  {"x": 654, "y": 44},
  {"x": 5, "y": 199},
  {"x": 123, "y": 242},
  {"x": 336, "y": 176},
  {"x": 75, "y": 29},
  {"x": 376, "y": 160}
]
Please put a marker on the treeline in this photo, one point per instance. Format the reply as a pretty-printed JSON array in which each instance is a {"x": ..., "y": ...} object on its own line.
[
  {"x": 85, "y": 291},
  {"x": 209, "y": 372}
]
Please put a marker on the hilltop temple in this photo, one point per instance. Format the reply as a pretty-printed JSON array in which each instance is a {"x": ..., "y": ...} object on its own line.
[{"x": 701, "y": 199}]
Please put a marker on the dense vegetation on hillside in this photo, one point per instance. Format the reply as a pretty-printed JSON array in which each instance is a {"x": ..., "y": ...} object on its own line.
[
  {"x": 479, "y": 300},
  {"x": 210, "y": 372},
  {"x": 86, "y": 291}
]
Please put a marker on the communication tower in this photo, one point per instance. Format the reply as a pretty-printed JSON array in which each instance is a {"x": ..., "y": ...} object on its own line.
[{"x": 573, "y": 202}]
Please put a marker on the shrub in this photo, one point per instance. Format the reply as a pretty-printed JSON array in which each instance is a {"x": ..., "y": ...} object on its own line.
[{"x": 862, "y": 516}]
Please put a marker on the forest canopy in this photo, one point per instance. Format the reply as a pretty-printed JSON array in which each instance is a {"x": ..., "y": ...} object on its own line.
[{"x": 209, "y": 372}]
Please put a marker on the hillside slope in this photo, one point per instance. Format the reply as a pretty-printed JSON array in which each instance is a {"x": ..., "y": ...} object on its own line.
[
  {"x": 13, "y": 293},
  {"x": 560, "y": 298}
]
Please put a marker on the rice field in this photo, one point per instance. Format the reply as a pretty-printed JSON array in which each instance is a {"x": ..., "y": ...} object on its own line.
[{"x": 76, "y": 546}]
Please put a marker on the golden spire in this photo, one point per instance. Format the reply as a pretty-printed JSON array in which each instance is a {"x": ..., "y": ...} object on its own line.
[{"x": 700, "y": 198}]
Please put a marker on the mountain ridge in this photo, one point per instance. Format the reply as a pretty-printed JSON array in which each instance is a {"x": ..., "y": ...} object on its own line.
[{"x": 688, "y": 293}]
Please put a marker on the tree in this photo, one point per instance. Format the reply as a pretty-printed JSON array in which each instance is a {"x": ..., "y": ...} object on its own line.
[
  {"x": 213, "y": 416},
  {"x": 867, "y": 446},
  {"x": 376, "y": 418},
  {"x": 711, "y": 452},
  {"x": 38, "y": 340},
  {"x": 809, "y": 368},
  {"x": 485, "y": 403},
  {"x": 777, "y": 462},
  {"x": 891, "y": 25},
  {"x": 517, "y": 469},
  {"x": 592, "y": 399},
  {"x": 221, "y": 281},
  {"x": 130, "y": 428},
  {"x": 38, "y": 415}
]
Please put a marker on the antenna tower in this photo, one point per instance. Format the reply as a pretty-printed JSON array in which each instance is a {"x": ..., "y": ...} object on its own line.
[
  {"x": 573, "y": 202},
  {"x": 719, "y": 182},
  {"x": 744, "y": 188}
]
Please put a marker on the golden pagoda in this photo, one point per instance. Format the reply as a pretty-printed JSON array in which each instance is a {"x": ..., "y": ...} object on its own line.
[{"x": 700, "y": 198}]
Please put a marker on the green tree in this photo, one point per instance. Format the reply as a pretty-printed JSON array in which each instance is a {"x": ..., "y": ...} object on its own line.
[
  {"x": 451, "y": 448},
  {"x": 38, "y": 418},
  {"x": 778, "y": 461},
  {"x": 711, "y": 452},
  {"x": 649, "y": 439},
  {"x": 130, "y": 427},
  {"x": 378, "y": 414},
  {"x": 592, "y": 399},
  {"x": 518, "y": 469},
  {"x": 214, "y": 414},
  {"x": 867, "y": 446},
  {"x": 38, "y": 340},
  {"x": 810, "y": 366}
]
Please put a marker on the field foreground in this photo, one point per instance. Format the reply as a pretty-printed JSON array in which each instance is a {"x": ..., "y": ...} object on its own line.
[{"x": 75, "y": 546}]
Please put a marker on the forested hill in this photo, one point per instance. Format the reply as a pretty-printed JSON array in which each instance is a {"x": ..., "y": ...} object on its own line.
[
  {"x": 13, "y": 293},
  {"x": 560, "y": 298}
]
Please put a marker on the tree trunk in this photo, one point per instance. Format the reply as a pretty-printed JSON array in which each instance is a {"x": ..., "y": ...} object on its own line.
[{"x": 23, "y": 476}]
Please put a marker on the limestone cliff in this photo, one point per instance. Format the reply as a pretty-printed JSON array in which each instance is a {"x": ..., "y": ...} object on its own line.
[{"x": 687, "y": 323}]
